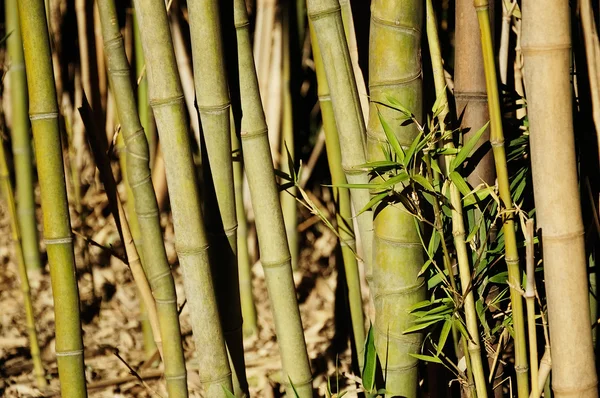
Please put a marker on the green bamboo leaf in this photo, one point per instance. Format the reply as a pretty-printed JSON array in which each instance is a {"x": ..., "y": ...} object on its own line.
[
  {"x": 444, "y": 335},
  {"x": 445, "y": 151},
  {"x": 440, "y": 103},
  {"x": 392, "y": 139},
  {"x": 355, "y": 186},
  {"x": 397, "y": 179},
  {"x": 460, "y": 183},
  {"x": 228, "y": 393},
  {"x": 377, "y": 164},
  {"x": 424, "y": 267},
  {"x": 435, "y": 166},
  {"x": 399, "y": 107},
  {"x": 420, "y": 326},
  {"x": 422, "y": 181},
  {"x": 426, "y": 358},
  {"x": 368, "y": 375},
  {"x": 293, "y": 387},
  {"x": 466, "y": 150},
  {"x": 410, "y": 152},
  {"x": 374, "y": 200},
  {"x": 477, "y": 195}
]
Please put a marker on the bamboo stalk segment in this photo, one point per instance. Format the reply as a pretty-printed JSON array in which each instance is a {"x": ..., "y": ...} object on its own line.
[{"x": 43, "y": 114}]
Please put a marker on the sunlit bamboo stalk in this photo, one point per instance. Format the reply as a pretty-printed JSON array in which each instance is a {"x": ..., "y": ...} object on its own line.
[{"x": 530, "y": 300}]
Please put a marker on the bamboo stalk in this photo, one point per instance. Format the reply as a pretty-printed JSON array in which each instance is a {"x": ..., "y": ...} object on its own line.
[
  {"x": 395, "y": 72},
  {"x": 475, "y": 370},
  {"x": 510, "y": 239},
  {"x": 191, "y": 239},
  {"x": 249, "y": 325},
  {"x": 289, "y": 205},
  {"x": 272, "y": 96},
  {"x": 342, "y": 198},
  {"x": 546, "y": 46},
  {"x": 327, "y": 22},
  {"x": 592, "y": 52},
  {"x": 275, "y": 254},
  {"x": 43, "y": 111},
  {"x": 146, "y": 209},
  {"x": 214, "y": 106},
  {"x": 530, "y": 301},
  {"x": 34, "y": 348},
  {"x": 21, "y": 140}
]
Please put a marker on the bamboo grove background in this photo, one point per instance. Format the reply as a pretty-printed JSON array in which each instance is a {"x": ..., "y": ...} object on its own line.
[{"x": 331, "y": 198}]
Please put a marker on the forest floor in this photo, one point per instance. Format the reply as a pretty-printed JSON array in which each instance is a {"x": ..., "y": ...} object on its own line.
[{"x": 110, "y": 316}]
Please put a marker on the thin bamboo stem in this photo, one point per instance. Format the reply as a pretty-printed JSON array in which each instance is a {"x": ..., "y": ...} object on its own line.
[
  {"x": 510, "y": 239},
  {"x": 342, "y": 198},
  {"x": 21, "y": 140},
  {"x": 275, "y": 254},
  {"x": 167, "y": 102},
  {"x": 326, "y": 18},
  {"x": 530, "y": 300},
  {"x": 34, "y": 347},
  {"x": 592, "y": 52},
  {"x": 137, "y": 160},
  {"x": 43, "y": 111},
  {"x": 214, "y": 105},
  {"x": 546, "y": 46}
]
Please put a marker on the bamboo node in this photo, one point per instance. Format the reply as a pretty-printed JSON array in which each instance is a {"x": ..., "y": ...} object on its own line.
[
  {"x": 276, "y": 264},
  {"x": 176, "y": 377},
  {"x": 398, "y": 82},
  {"x": 381, "y": 293},
  {"x": 115, "y": 42},
  {"x": 141, "y": 182},
  {"x": 216, "y": 380},
  {"x": 152, "y": 280},
  {"x": 243, "y": 24},
  {"x": 564, "y": 236},
  {"x": 43, "y": 116},
  {"x": 298, "y": 384},
  {"x": 497, "y": 143},
  {"x": 191, "y": 252},
  {"x": 396, "y": 25},
  {"x": 165, "y": 301},
  {"x": 348, "y": 243},
  {"x": 118, "y": 72},
  {"x": 477, "y": 96},
  {"x": 69, "y": 353},
  {"x": 315, "y": 15},
  {"x": 147, "y": 214},
  {"x": 254, "y": 134},
  {"x": 555, "y": 47},
  {"x": 159, "y": 103},
  {"x": 323, "y": 98},
  {"x": 214, "y": 109},
  {"x": 58, "y": 241}
]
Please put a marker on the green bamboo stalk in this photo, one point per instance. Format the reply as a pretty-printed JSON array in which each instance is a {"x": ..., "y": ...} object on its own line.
[
  {"x": 546, "y": 43},
  {"x": 43, "y": 114},
  {"x": 21, "y": 140},
  {"x": 472, "y": 347},
  {"x": 34, "y": 347},
  {"x": 395, "y": 72},
  {"x": 249, "y": 325},
  {"x": 144, "y": 110},
  {"x": 510, "y": 239},
  {"x": 327, "y": 21},
  {"x": 275, "y": 254},
  {"x": 166, "y": 99},
  {"x": 342, "y": 198},
  {"x": 138, "y": 174},
  {"x": 289, "y": 205},
  {"x": 214, "y": 105}
]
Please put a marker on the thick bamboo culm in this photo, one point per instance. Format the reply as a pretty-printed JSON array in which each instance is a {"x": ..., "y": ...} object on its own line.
[
  {"x": 155, "y": 264},
  {"x": 458, "y": 221},
  {"x": 469, "y": 88},
  {"x": 395, "y": 72},
  {"x": 510, "y": 239},
  {"x": 289, "y": 205},
  {"x": 546, "y": 46},
  {"x": 342, "y": 198},
  {"x": 275, "y": 254},
  {"x": 249, "y": 325},
  {"x": 326, "y": 18},
  {"x": 21, "y": 140},
  {"x": 166, "y": 99},
  {"x": 214, "y": 105},
  {"x": 43, "y": 114},
  {"x": 34, "y": 347}
]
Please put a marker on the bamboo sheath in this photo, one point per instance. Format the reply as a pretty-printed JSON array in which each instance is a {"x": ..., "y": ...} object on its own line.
[
  {"x": 137, "y": 156},
  {"x": 275, "y": 255},
  {"x": 21, "y": 140},
  {"x": 43, "y": 114},
  {"x": 214, "y": 105},
  {"x": 34, "y": 347},
  {"x": 342, "y": 198},
  {"x": 546, "y": 46},
  {"x": 326, "y": 18},
  {"x": 395, "y": 72},
  {"x": 166, "y": 99}
]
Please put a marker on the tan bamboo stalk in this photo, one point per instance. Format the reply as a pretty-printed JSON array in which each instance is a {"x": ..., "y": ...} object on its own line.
[
  {"x": 289, "y": 205},
  {"x": 592, "y": 53},
  {"x": 348, "y": 21},
  {"x": 214, "y": 106},
  {"x": 395, "y": 72},
  {"x": 43, "y": 114},
  {"x": 184, "y": 66},
  {"x": 166, "y": 99},
  {"x": 21, "y": 140},
  {"x": 458, "y": 223},
  {"x": 510, "y": 239},
  {"x": 530, "y": 300},
  {"x": 137, "y": 159},
  {"x": 159, "y": 179},
  {"x": 518, "y": 72},
  {"x": 275, "y": 254},
  {"x": 342, "y": 197},
  {"x": 34, "y": 347},
  {"x": 469, "y": 87},
  {"x": 249, "y": 325},
  {"x": 263, "y": 38},
  {"x": 546, "y": 46},
  {"x": 99, "y": 57},
  {"x": 272, "y": 99},
  {"x": 327, "y": 22},
  {"x": 504, "y": 38}
]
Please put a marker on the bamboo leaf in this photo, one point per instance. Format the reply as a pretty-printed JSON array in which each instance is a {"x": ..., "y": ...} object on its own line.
[
  {"x": 422, "y": 181},
  {"x": 374, "y": 200},
  {"x": 228, "y": 393},
  {"x": 391, "y": 138},
  {"x": 397, "y": 179},
  {"x": 426, "y": 358},
  {"x": 368, "y": 376},
  {"x": 460, "y": 183},
  {"x": 466, "y": 150},
  {"x": 421, "y": 326},
  {"x": 399, "y": 107},
  {"x": 444, "y": 335},
  {"x": 412, "y": 149}
]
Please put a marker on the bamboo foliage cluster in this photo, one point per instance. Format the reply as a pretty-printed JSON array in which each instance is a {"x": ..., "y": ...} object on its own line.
[{"x": 420, "y": 211}]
